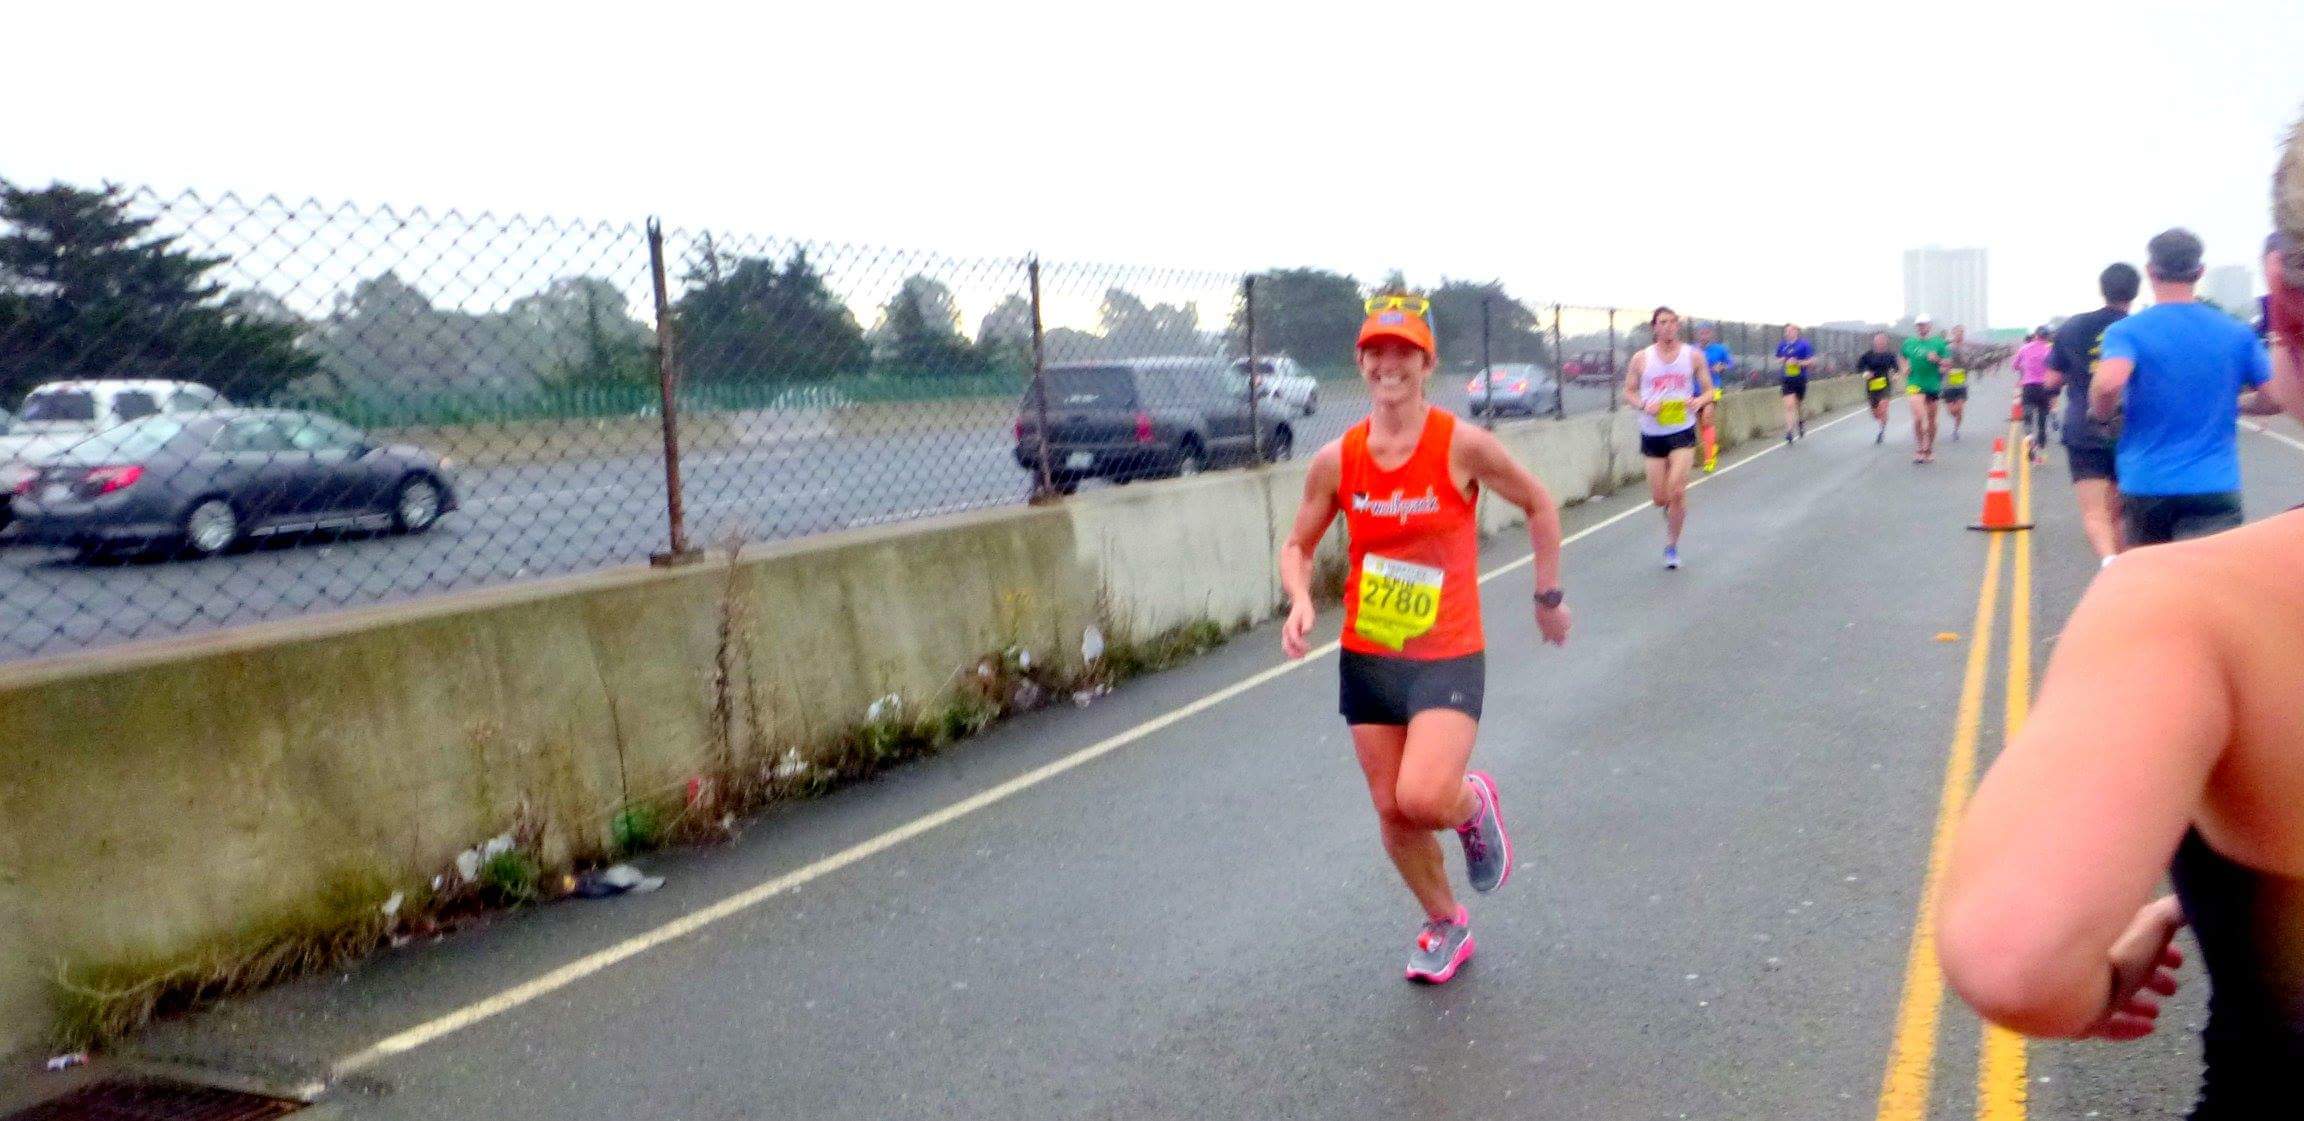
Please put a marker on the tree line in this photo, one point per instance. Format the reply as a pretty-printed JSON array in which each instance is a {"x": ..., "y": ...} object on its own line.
[{"x": 89, "y": 288}]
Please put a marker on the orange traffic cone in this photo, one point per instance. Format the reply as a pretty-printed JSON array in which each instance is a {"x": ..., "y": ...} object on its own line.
[
  {"x": 1999, "y": 501},
  {"x": 2016, "y": 410}
]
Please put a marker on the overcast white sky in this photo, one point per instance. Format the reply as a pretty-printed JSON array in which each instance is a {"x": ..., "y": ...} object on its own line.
[{"x": 1762, "y": 160}]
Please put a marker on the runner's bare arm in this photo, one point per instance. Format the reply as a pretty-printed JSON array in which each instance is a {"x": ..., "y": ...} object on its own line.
[
  {"x": 1482, "y": 456},
  {"x": 2104, "y": 393},
  {"x": 2260, "y": 402},
  {"x": 1313, "y": 516},
  {"x": 1632, "y": 379},
  {"x": 2287, "y": 384},
  {"x": 2073, "y": 829}
]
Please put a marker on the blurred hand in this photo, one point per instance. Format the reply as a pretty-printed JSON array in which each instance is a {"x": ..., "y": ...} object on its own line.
[
  {"x": 1297, "y": 629},
  {"x": 2143, "y": 963},
  {"x": 1553, "y": 622}
]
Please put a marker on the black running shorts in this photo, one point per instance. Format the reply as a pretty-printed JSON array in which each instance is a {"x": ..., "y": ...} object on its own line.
[
  {"x": 1383, "y": 690},
  {"x": 1796, "y": 387},
  {"x": 1658, "y": 447},
  {"x": 2157, "y": 519},
  {"x": 2093, "y": 463}
]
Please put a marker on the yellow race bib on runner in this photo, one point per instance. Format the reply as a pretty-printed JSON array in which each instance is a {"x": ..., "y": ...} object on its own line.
[
  {"x": 1877, "y": 385},
  {"x": 1956, "y": 377},
  {"x": 1672, "y": 413},
  {"x": 1398, "y": 601}
]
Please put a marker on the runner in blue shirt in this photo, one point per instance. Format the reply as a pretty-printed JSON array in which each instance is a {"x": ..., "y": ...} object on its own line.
[
  {"x": 1793, "y": 356},
  {"x": 2183, "y": 368},
  {"x": 1718, "y": 359}
]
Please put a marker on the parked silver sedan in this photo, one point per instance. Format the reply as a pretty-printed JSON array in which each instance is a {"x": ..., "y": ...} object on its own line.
[
  {"x": 204, "y": 482},
  {"x": 1512, "y": 387}
]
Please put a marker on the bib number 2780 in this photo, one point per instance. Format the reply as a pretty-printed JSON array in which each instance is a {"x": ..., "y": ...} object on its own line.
[{"x": 1398, "y": 601}]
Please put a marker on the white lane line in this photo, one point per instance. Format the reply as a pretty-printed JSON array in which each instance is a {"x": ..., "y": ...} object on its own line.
[
  {"x": 431, "y": 1030},
  {"x": 2266, "y": 430}
]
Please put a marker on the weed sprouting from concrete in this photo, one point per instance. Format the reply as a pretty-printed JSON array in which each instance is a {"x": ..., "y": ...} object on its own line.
[
  {"x": 635, "y": 828},
  {"x": 512, "y": 878}
]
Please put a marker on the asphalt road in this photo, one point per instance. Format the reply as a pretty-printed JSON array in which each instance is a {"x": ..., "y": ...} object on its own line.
[
  {"x": 524, "y": 522},
  {"x": 1723, "y": 794}
]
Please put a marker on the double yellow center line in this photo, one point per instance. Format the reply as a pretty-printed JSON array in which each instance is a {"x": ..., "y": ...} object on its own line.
[{"x": 2000, "y": 1072}]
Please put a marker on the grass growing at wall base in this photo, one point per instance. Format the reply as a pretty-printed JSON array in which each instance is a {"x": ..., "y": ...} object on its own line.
[{"x": 100, "y": 1002}]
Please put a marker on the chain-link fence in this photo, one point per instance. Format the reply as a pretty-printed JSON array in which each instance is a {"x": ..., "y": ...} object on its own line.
[{"x": 330, "y": 407}]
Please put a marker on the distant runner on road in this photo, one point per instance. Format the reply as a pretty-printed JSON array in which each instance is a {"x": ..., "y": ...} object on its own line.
[
  {"x": 1956, "y": 378},
  {"x": 2089, "y": 445},
  {"x": 2031, "y": 364},
  {"x": 1877, "y": 367},
  {"x": 1923, "y": 364},
  {"x": 1721, "y": 360},
  {"x": 1661, "y": 381},
  {"x": 1793, "y": 356},
  {"x": 1413, "y": 668}
]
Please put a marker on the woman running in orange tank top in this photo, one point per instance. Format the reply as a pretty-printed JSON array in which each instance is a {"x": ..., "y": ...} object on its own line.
[{"x": 1413, "y": 666}]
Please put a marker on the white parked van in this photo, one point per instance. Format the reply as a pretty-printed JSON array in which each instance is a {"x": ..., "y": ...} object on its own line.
[
  {"x": 59, "y": 414},
  {"x": 1282, "y": 380}
]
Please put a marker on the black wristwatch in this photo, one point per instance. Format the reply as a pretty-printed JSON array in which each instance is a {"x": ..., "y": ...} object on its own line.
[{"x": 1553, "y": 598}]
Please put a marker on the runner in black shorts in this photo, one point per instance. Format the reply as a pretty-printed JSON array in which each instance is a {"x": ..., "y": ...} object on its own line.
[
  {"x": 1877, "y": 367},
  {"x": 2071, "y": 364},
  {"x": 1663, "y": 382},
  {"x": 1407, "y": 481},
  {"x": 1923, "y": 364},
  {"x": 1956, "y": 378},
  {"x": 1793, "y": 357}
]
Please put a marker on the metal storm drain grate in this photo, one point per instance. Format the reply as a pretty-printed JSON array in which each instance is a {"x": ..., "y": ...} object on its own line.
[{"x": 156, "y": 1101}]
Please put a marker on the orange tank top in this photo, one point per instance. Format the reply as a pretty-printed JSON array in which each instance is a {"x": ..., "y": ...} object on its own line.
[{"x": 1413, "y": 590}]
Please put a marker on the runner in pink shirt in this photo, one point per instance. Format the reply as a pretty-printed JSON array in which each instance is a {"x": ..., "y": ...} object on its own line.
[{"x": 2032, "y": 375}]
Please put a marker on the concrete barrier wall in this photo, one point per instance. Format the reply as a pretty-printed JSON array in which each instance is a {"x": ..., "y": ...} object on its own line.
[{"x": 179, "y": 803}]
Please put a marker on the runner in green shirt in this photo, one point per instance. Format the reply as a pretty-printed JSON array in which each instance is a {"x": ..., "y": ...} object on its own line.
[{"x": 1923, "y": 362}]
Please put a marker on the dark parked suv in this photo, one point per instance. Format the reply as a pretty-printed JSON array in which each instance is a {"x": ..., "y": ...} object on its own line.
[{"x": 1138, "y": 418}]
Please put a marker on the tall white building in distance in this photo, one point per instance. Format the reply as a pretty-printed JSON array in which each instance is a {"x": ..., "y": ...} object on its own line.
[
  {"x": 1947, "y": 284},
  {"x": 2231, "y": 287}
]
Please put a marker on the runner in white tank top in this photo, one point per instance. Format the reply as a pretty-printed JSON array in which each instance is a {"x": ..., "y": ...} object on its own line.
[
  {"x": 1664, "y": 382},
  {"x": 1669, "y": 384}
]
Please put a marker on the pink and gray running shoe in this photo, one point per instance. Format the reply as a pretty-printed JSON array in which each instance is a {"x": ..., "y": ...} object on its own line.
[
  {"x": 1487, "y": 850},
  {"x": 1441, "y": 949}
]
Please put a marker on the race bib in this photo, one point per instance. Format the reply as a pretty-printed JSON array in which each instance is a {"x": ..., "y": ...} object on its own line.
[
  {"x": 1793, "y": 369},
  {"x": 1398, "y": 601},
  {"x": 1877, "y": 385},
  {"x": 1956, "y": 377},
  {"x": 1672, "y": 413}
]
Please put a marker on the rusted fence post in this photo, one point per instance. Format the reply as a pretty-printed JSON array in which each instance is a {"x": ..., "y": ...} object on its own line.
[{"x": 668, "y": 393}]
